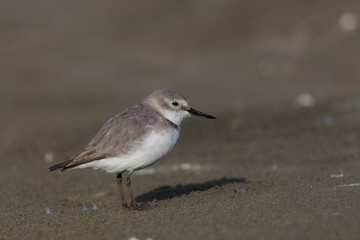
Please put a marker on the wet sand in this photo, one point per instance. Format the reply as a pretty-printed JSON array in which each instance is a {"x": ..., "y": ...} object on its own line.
[{"x": 281, "y": 161}]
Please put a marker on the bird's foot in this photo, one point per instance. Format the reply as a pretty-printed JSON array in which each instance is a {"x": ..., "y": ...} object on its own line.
[
  {"x": 136, "y": 206},
  {"x": 125, "y": 206}
]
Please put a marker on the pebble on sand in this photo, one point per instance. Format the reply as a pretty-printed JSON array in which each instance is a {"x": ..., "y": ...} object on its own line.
[
  {"x": 348, "y": 22},
  {"x": 49, "y": 157},
  {"x": 48, "y": 211},
  {"x": 305, "y": 100}
]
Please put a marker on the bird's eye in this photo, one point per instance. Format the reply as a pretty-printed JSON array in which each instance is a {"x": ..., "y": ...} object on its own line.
[{"x": 175, "y": 103}]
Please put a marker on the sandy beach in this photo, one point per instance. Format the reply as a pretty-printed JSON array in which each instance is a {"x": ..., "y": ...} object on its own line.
[{"x": 281, "y": 161}]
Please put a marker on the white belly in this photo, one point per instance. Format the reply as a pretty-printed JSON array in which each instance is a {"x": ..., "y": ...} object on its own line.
[{"x": 154, "y": 147}]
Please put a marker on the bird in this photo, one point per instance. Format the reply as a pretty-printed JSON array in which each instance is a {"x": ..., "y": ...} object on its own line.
[{"x": 134, "y": 139}]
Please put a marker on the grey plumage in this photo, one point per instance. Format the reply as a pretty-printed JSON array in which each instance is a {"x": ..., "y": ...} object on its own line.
[{"x": 128, "y": 125}]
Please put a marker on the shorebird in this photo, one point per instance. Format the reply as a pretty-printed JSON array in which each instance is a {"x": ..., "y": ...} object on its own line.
[{"x": 135, "y": 138}]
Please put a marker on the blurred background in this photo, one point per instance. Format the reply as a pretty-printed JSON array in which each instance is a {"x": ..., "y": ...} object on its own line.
[
  {"x": 68, "y": 66},
  {"x": 251, "y": 52},
  {"x": 67, "y": 58}
]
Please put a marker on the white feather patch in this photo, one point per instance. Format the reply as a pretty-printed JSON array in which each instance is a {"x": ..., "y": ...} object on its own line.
[{"x": 154, "y": 147}]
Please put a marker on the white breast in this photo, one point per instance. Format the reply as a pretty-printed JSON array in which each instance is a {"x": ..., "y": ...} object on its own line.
[{"x": 153, "y": 147}]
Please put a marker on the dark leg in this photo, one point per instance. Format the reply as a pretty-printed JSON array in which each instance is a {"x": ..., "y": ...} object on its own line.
[
  {"x": 121, "y": 190},
  {"x": 128, "y": 184}
]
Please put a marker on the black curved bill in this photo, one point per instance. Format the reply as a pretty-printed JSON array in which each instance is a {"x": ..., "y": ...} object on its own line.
[{"x": 195, "y": 112}]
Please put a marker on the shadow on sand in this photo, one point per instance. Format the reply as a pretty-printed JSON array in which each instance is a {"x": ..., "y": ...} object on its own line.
[{"x": 167, "y": 192}]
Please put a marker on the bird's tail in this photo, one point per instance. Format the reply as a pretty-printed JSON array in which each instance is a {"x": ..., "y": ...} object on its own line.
[{"x": 61, "y": 166}]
